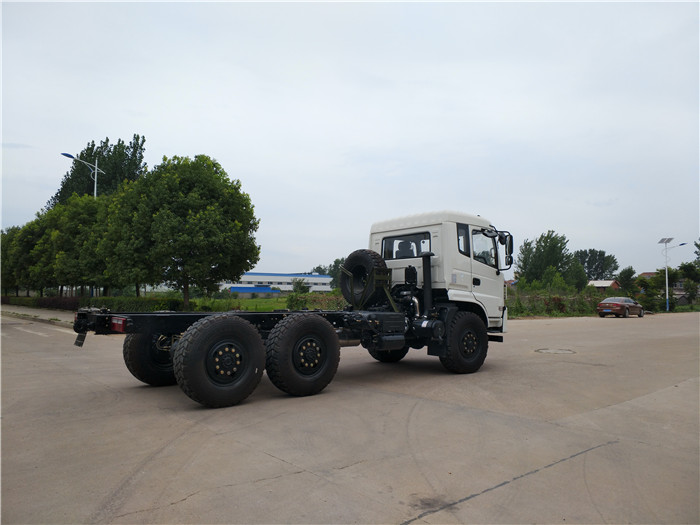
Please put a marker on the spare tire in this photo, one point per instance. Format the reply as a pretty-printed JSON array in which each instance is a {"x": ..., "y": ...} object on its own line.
[{"x": 358, "y": 278}]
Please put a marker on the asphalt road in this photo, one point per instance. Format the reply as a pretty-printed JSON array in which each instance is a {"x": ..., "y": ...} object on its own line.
[{"x": 581, "y": 420}]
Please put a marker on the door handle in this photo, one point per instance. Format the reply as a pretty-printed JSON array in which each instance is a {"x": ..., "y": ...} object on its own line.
[{"x": 476, "y": 282}]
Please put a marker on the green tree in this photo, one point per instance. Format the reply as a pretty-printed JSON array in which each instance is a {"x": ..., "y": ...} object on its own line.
[
  {"x": 653, "y": 289},
  {"x": 8, "y": 277},
  {"x": 197, "y": 224},
  {"x": 627, "y": 281},
  {"x": 93, "y": 263},
  {"x": 553, "y": 281},
  {"x": 74, "y": 225},
  {"x": 300, "y": 286},
  {"x": 575, "y": 275},
  {"x": 120, "y": 162},
  {"x": 42, "y": 269},
  {"x": 29, "y": 256},
  {"x": 126, "y": 239},
  {"x": 690, "y": 272},
  {"x": 597, "y": 264},
  {"x": 550, "y": 249},
  {"x": 19, "y": 254},
  {"x": 333, "y": 270}
]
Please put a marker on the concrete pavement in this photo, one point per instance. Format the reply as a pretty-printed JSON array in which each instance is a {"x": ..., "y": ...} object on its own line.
[{"x": 581, "y": 420}]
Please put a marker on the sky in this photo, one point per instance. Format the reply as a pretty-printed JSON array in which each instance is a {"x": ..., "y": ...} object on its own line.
[{"x": 581, "y": 118}]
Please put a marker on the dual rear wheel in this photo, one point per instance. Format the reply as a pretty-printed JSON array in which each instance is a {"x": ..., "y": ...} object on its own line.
[{"x": 220, "y": 359}]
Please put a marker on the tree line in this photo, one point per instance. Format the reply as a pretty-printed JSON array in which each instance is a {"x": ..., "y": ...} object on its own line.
[
  {"x": 546, "y": 265},
  {"x": 183, "y": 223}
]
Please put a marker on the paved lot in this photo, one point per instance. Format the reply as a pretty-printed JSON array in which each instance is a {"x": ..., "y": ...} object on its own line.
[{"x": 581, "y": 420}]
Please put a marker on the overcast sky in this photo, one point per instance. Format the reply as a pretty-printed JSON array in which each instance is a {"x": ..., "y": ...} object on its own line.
[{"x": 580, "y": 118}]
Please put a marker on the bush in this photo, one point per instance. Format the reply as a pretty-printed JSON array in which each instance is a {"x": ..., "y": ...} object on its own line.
[
  {"x": 316, "y": 301},
  {"x": 19, "y": 301},
  {"x": 297, "y": 301},
  {"x": 688, "y": 308},
  {"x": 53, "y": 303},
  {"x": 134, "y": 304},
  {"x": 533, "y": 301}
]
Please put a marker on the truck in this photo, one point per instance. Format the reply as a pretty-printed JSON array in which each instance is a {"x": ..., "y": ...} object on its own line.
[{"x": 432, "y": 280}]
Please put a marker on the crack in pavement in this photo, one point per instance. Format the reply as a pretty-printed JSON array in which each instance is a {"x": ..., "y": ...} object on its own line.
[{"x": 507, "y": 482}]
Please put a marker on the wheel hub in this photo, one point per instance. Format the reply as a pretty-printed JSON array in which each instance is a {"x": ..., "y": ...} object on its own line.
[
  {"x": 469, "y": 343},
  {"x": 224, "y": 363},
  {"x": 308, "y": 356}
]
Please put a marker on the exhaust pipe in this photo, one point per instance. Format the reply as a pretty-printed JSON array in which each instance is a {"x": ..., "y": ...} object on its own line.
[{"x": 427, "y": 282}]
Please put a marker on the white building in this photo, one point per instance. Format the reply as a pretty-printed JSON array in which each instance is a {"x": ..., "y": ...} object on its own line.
[{"x": 257, "y": 282}]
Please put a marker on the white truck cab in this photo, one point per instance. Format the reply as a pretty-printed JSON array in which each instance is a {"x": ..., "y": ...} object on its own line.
[{"x": 469, "y": 256}]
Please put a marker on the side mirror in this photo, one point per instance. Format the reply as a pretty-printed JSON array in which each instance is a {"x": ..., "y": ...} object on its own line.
[{"x": 506, "y": 239}]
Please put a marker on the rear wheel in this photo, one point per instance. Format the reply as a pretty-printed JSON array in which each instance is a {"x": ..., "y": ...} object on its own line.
[
  {"x": 148, "y": 358},
  {"x": 303, "y": 353},
  {"x": 627, "y": 313},
  {"x": 467, "y": 344},
  {"x": 220, "y": 360}
]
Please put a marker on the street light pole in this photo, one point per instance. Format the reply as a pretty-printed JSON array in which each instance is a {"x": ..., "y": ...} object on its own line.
[
  {"x": 93, "y": 169},
  {"x": 665, "y": 242}
]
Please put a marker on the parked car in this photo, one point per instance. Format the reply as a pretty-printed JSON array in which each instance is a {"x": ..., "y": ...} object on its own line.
[{"x": 619, "y": 307}]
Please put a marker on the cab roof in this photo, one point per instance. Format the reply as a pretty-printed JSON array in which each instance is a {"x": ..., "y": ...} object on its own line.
[{"x": 427, "y": 219}]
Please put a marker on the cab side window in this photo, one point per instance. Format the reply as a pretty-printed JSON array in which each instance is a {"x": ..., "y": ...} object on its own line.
[
  {"x": 484, "y": 248},
  {"x": 463, "y": 239},
  {"x": 405, "y": 246}
]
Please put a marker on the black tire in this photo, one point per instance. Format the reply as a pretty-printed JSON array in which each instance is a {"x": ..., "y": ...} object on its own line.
[
  {"x": 601, "y": 315},
  {"x": 641, "y": 312},
  {"x": 467, "y": 344},
  {"x": 627, "y": 313},
  {"x": 389, "y": 356},
  {"x": 303, "y": 353},
  {"x": 219, "y": 360},
  {"x": 148, "y": 358},
  {"x": 358, "y": 288}
]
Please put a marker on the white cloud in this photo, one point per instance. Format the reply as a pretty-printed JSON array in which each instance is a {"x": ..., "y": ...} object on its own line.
[{"x": 537, "y": 115}]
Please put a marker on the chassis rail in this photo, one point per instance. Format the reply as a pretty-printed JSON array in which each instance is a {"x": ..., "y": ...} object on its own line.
[{"x": 348, "y": 324}]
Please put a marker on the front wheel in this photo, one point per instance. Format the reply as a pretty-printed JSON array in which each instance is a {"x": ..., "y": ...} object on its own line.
[
  {"x": 303, "y": 353},
  {"x": 467, "y": 344},
  {"x": 641, "y": 312},
  {"x": 220, "y": 360}
]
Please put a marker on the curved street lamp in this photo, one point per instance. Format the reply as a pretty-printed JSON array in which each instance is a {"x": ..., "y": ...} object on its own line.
[
  {"x": 93, "y": 169},
  {"x": 665, "y": 241}
]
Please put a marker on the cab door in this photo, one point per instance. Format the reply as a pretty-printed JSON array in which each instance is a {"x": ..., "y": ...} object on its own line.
[
  {"x": 487, "y": 284},
  {"x": 461, "y": 263}
]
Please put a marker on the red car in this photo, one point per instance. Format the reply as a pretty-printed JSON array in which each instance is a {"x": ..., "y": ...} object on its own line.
[{"x": 619, "y": 307}]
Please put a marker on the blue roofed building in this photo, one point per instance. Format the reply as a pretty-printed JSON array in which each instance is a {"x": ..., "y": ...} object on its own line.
[{"x": 269, "y": 283}]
